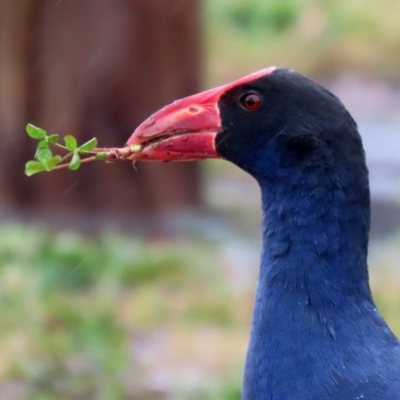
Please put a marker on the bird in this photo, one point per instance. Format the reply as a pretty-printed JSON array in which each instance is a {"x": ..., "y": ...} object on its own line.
[{"x": 316, "y": 332}]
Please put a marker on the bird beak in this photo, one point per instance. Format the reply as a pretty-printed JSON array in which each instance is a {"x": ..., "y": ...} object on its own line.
[{"x": 185, "y": 129}]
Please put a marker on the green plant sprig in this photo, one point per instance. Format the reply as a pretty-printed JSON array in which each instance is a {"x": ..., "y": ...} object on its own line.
[{"x": 76, "y": 155}]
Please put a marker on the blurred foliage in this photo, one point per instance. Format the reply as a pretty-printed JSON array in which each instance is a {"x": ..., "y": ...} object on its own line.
[
  {"x": 106, "y": 317},
  {"x": 269, "y": 16},
  {"x": 70, "y": 306},
  {"x": 314, "y": 37},
  {"x": 384, "y": 260}
]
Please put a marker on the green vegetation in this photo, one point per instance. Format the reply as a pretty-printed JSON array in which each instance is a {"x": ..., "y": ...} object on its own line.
[
  {"x": 314, "y": 37},
  {"x": 385, "y": 278},
  {"x": 45, "y": 161},
  {"x": 73, "y": 307},
  {"x": 102, "y": 318}
]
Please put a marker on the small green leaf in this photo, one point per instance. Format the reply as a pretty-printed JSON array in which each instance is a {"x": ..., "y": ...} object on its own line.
[
  {"x": 43, "y": 144},
  {"x": 70, "y": 143},
  {"x": 88, "y": 146},
  {"x": 33, "y": 167},
  {"x": 101, "y": 156},
  {"x": 53, "y": 161},
  {"x": 43, "y": 155},
  {"x": 136, "y": 148},
  {"x": 34, "y": 132},
  {"x": 53, "y": 139},
  {"x": 75, "y": 162}
]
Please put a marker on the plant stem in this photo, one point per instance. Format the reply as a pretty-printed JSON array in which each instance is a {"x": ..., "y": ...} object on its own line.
[
  {"x": 63, "y": 158},
  {"x": 60, "y": 146},
  {"x": 83, "y": 161}
]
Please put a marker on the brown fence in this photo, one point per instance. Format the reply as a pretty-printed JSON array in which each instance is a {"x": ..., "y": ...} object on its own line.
[{"x": 94, "y": 68}]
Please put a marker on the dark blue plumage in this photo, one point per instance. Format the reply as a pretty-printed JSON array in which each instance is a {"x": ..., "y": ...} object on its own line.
[{"x": 316, "y": 332}]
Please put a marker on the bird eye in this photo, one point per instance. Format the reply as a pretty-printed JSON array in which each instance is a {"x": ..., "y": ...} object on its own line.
[{"x": 250, "y": 101}]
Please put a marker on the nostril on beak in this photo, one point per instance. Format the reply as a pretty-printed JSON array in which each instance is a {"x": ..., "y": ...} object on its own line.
[{"x": 194, "y": 110}]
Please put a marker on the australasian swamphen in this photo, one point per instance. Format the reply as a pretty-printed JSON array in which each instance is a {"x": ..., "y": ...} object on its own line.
[{"x": 316, "y": 332}]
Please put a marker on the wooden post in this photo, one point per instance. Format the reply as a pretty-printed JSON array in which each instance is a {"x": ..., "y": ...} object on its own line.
[{"x": 94, "y": 68}]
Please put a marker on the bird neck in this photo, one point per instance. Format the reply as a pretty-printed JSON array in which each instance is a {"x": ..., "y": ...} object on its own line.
[
  {"x": 313, "y": 279},
  {"x": 315, "y": 238}
]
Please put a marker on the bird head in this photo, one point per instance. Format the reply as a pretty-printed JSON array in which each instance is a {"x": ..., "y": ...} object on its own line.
[{"x": 265, "y": 123}]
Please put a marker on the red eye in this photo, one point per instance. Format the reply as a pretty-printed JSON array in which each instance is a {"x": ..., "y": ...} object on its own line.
[{"x": 250, "y": 101}]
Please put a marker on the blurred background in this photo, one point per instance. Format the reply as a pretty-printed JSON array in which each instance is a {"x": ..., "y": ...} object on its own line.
[{"x": 122, "y": 283}]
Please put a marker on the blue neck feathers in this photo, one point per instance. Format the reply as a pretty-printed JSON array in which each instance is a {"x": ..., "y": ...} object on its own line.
[{"x": 313, "y": 281}]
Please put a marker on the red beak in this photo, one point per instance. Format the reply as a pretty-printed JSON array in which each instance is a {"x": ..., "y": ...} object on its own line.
[{"x": 185, "y": 129}]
